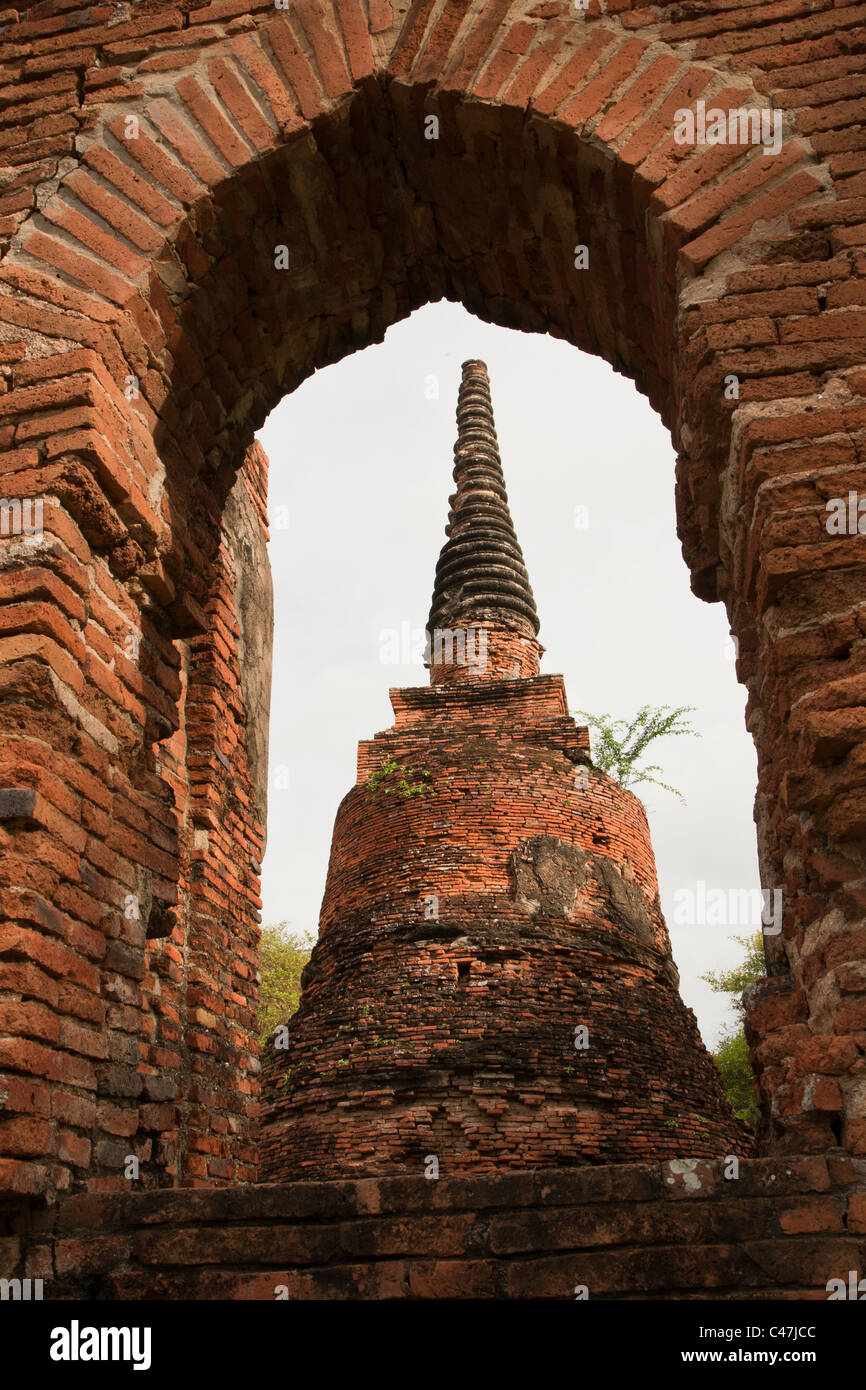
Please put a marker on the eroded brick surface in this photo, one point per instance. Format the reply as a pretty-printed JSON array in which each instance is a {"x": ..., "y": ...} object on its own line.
[
  {"x": 777, "y": 1229},
  {"x": 454, "y": 1035}
]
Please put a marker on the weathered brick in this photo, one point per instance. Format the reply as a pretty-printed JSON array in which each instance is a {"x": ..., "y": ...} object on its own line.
[{"x": 172, "y": 288}]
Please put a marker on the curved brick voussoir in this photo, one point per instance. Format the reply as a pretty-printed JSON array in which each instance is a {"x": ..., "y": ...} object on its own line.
[{"x": 200, "y": 204}]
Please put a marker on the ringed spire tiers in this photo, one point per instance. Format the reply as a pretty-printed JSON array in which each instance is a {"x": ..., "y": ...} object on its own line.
[{"x": 481, "y": 584}]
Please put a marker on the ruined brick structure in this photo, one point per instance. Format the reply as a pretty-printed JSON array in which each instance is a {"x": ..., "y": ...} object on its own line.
[
  {"x": 489, "y": 892},
  {"x": 672, "y": 1230},
  {"x": 129, "y": 1025},
  {"x": 160, "y": 161}
]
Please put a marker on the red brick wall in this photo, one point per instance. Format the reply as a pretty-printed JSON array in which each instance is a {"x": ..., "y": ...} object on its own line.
[
  {"x": 128, "y": 1012},
  {"x": 500, "y": 654},
  {"x": 150, "y": 254},
  {"x": 225, "y": 843}
]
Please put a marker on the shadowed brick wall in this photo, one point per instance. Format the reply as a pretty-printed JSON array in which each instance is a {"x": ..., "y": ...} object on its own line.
[
  {"x": 778, "y": 1230},
  {"x": 145, "y": 333}
]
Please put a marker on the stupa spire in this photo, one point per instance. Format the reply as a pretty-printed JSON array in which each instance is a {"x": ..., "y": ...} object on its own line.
[
  {"x": 491, "y": 896},
  {"x": 481, "y": 581}
]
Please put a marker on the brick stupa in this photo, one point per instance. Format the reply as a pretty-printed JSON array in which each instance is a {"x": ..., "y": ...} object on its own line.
[{"x": 493, "y": 982}]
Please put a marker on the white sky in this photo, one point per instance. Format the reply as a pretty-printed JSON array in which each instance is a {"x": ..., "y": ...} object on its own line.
[{"x": 361, "y": 460}]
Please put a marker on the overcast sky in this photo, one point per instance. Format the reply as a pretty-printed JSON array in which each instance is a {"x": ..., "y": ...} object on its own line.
[{"x": 361, "y": 459}]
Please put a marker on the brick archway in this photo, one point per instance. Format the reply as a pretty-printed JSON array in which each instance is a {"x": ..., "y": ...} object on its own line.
[{"x": 149, "y": 332}]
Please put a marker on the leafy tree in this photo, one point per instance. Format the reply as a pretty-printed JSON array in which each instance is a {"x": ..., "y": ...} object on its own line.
[
  {"x": 283, "y": 957},
  {"x": 732, "y": 1059},
  {"x": 732, "y": 1053},
  {"x": 618, "y": 745},
  {"x": 735, "y": 980}
]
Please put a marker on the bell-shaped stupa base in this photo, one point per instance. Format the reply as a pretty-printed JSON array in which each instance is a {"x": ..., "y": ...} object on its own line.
[{"x": 492, "y": 986}]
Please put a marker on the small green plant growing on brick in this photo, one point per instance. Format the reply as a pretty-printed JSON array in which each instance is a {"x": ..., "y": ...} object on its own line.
[
  {"x": 670, "y": 1124},
  {"x": 405, "y": 781},
  {"x": 343, "y": 1062}
]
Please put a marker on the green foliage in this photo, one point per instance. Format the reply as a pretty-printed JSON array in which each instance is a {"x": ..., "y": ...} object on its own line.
[
  {"x": 283, "y": 957},
  {"x": 732, "y": 1053},
  {"x": 732, "y": 1059},
  {"x": 735, "y": 980},
  {"x": 404, "y": 780},
  {"x": 618, "y": 745}
]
